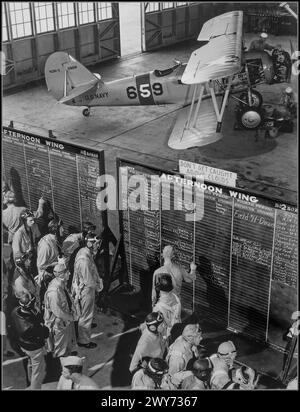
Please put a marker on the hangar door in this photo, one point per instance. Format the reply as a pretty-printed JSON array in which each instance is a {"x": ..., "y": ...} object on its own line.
[{"x": 167, "y": 23}]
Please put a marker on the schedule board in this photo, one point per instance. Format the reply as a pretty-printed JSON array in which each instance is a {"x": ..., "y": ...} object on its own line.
[
  {"x": 244, "y": 245},
  {"x": 65, "y": 174}
]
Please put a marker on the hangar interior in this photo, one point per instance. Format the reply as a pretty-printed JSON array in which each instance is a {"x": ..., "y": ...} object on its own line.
[{"x": 136, "y": 137}]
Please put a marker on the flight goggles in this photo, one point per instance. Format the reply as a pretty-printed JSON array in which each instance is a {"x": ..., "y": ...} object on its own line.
[
  {"x": 156, "y": 321},
  {"x": 228, "y": 353},
  {"x": 27, "y": 213},
  {"x": 157, "y": 372}
]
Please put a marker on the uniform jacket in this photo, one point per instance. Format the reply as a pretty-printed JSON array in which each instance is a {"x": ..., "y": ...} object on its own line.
[
  {"x": 179, "y": 354},
  {"x": 193, "y": 383},
  {"x": 29, "y": 329},
  {"x": 11, "y": 220},
  {"x": 24, "y": 283},
  {"x": 169, "y": 305},
  {"x": 178, "y": 274},
  {"x": 47, "y": 252},
  {"x": 58, "y": 314},
  {"x": 150, "y": 344},
  {"x": 141, "y": 380},
  {"x": 23, "y": 242},
  {"x": 70, "y": 244},
  {"x": 85, "y": 272}
]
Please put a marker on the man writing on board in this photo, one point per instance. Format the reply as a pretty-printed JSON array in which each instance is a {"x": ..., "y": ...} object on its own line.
[{"x": 177, "y": 272}]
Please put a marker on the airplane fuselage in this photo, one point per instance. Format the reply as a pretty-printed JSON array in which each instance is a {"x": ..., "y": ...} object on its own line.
[
  {"x": 145, "y": 89},
  {"x": 157, "y": 87}
]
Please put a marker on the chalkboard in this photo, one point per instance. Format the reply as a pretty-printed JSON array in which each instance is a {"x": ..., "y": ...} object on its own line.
[
  {"x": 286, "y": 249},
  {"x": 141, "y": 232},
  {"x": 253, "y": 230},
  {"x": 65, "y": 174},
  {"x": 242, "y": 244},
  {"x": 212, "y": 244}
]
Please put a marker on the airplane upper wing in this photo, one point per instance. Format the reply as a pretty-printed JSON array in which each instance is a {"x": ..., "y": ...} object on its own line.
[{"x": 221, "y": 56}]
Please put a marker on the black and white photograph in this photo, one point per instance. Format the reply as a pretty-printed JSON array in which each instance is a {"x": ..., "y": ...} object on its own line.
[{"x": 149, "y": 199}]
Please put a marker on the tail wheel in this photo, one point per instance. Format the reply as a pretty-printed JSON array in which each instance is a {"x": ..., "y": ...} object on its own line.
[
  {"x": 86, "y": 112},
  {"x": 256, "y": 98},
  {"x": 250, "y": 119}
]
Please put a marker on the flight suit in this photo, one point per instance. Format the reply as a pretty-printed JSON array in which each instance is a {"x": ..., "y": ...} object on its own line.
[
  {"x": 11, "y": 220},
  {"x": 70, "y": 244},
  {"x": 191, "y": 382},
  {"x": 220, "y": 373},
  {"x": 141, "y": 380},
  {"x": 179, "y": 354},
  {"x": 24, "y": 283},
  {"x": 150, "y": 344},
  {"x": 59, "y": 317},
  {"x": 25, "y": 240},
  {"x": 178, "y": 274},
  {"x": 169, "y": 305},
  {"x": 86, "y": 282},
  {"x": 47, "y": 252}
]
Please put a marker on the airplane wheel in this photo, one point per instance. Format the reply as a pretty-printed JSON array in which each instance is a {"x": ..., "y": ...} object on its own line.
[
  {"x": 86, "y": 112},
  {"x": 250, "y": 119}
]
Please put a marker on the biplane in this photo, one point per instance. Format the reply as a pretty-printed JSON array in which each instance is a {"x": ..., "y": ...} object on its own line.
[{"x": 219, "y": 69}]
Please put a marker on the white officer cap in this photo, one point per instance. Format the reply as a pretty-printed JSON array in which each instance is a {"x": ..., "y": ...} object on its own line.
[
  {"x": 289, "y": 90},
  {"x": 264, "y": 35},
  {"x": 72, "y": 361}
]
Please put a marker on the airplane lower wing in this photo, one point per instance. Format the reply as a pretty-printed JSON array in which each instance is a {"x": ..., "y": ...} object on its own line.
[
  {"x": 220, "y": 58},
  {"x": 201, "y": 133}
]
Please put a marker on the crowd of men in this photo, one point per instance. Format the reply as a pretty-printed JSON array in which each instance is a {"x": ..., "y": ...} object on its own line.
[
  {"x": 51, "y": 283},
  {"x": 50, "y": 286}
]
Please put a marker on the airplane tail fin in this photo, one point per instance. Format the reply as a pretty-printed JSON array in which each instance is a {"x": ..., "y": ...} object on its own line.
[{"x": 64, "y": 75}]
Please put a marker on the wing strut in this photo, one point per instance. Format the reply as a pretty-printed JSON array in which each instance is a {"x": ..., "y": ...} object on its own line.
[
  {"x": 194, "y": 109},
  {"x": 220, "y": 113}
]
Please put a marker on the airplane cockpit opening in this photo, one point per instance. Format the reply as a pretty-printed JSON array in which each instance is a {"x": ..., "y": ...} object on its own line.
[{"x": 166, "y": 72}]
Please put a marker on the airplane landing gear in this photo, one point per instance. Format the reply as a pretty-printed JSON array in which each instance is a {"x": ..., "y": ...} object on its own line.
[
  {"x": 86, "y": 112},
  {"x": 253, "y": 99}
]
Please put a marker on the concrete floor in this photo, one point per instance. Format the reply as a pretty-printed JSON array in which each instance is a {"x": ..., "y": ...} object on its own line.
[{"x": 141, "y": 134}]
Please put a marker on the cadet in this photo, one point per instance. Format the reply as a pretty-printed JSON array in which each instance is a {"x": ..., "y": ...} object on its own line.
[
  {"x": 177, "y": 272},
  {"x": 72, "y": 377},
  {"x": 26, "y": 238},
  {"x": 48, "y": 253},
  {"x": 11, "y": 216},
  {"x": 23, "y": 280},
  {"x": 31, "y": 334},
  {"x": 200, "y": 376},
  {"x": 60, "y": 313},
  {"x": 152, "y": 343},
  {"x": 168, "y": 303},
  {"x": 222, "y": 363},
  {"x": 86, "y": 282},
  {"x": 184, "y": 348},
  {"x": 150, "y": 377},
  {"x": 73, "y": 243}
]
